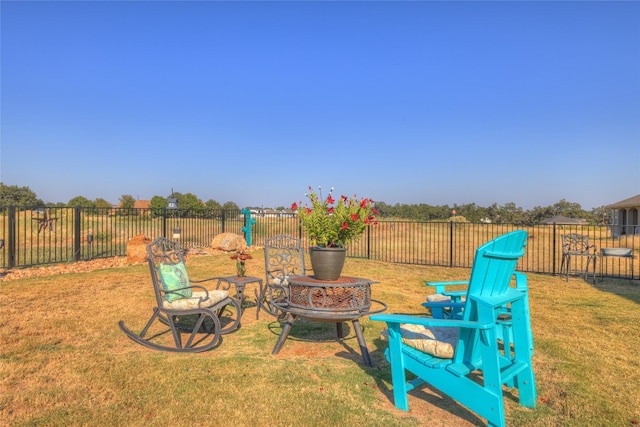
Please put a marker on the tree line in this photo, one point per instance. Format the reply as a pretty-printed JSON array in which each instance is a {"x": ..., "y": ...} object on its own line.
[{"x": 13, "y": 195}]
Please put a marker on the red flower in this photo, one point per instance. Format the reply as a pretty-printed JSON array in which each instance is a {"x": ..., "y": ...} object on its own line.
[
  {"x": 330, "y": 210},
  {"x": 294, "y": 206},
  {"x": 330, "y": 200},
  {"x": 345, "y": 225},
  {"x": 364, "y": 203},
  {"x": 354, "y": 217}
]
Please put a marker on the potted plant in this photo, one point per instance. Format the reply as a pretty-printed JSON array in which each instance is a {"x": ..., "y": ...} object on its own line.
[{"x": 330, "y": 225}]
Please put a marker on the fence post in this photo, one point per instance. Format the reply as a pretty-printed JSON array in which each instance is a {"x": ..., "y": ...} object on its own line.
[
  {"x": 451, "y": 226},
  {"x": 164, "y": 223},
  {"x": 223, "y": 218},
  {"x": 11, "y": 238},
  {"x": 553, "y": 246},
  {"x": 76, "y": 233}
]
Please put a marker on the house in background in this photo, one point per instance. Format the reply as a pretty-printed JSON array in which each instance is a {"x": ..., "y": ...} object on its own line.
[
  {"x": 624, "y": 216},
  {"x": 143, "y": 207}
]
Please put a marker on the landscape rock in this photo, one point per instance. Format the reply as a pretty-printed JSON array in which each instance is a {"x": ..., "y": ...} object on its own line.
[
  {"x": 229, "y": 242},
  {"x": 137, "y": 249}
]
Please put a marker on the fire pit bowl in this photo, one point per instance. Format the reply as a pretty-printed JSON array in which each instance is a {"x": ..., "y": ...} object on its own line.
[
  {"x": 619, "y": 252},
  {"x": 337, "y": 301}
]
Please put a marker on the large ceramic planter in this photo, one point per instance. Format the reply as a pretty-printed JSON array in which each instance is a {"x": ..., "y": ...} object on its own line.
[{"x": 327, "y": 263}]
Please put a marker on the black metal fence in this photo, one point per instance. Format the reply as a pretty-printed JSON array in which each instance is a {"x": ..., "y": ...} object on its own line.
[{"x": 61, "y": 235}]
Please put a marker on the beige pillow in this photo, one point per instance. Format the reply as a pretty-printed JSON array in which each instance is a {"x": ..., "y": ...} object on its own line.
[{"x": 437, "y": 341}]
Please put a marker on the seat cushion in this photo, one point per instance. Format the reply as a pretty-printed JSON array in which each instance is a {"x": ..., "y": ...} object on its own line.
[
  {"x": 436, "y": 341},
  {"x": 198, "y": 299},
  {"x": 438, "y": 298},
  {"x": 174, "y": 276},
  {"x": 281, "y": 281}
]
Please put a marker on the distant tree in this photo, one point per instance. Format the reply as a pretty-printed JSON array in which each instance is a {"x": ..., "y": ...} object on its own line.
[
  {"x": 158, "y": 206},
  {"x": 127, "y": 201},
  {"x": 212, "y": 204},
  {"x": 81, "y": 201},
  {"x": 101, "y": 203},
  {"x": 230, "y": 206},
  {"x": 511, "y": 214},
  {"x": 190, "y": 201},
  {"x": 12, "y": 195},
  {"x": 600, "y": 215}
]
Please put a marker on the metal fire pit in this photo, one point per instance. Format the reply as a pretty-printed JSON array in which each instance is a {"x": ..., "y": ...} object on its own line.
[{"x": 345, "y": 299}]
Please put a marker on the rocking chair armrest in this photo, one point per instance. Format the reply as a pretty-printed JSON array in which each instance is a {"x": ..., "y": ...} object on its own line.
[
  {"x": 208, "y": 279},
  {"x": 428, "y": 321},
  {"x": 192, "y": 287}
]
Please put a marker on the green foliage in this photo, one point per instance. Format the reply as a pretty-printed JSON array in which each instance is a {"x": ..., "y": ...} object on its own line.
[
  {"x": 101, "y": 203},
  {"x": 212, "y": 204},
  {"x": 81, "y": 201},
  {"x": 127, "y": 201},
  {"x": 158, "y": 206},
  {"x": 334, "y": 224},
  {"x": 230, "y": 206},
  {"x": 12, "y": 195}
]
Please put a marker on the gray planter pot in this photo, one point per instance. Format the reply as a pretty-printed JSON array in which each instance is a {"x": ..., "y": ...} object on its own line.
[{"x": 327, "y": 263}]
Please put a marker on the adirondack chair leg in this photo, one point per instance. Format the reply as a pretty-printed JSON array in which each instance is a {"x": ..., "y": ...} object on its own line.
[
  {"x": 523, "y": 350},
  {"x": 398, "y": 375}
]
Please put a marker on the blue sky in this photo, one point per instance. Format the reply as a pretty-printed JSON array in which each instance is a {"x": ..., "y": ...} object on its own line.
[{"x": 403, "y": 102}]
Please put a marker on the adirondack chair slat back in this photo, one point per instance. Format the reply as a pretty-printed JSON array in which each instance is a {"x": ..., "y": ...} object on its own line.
[
  {"x": 493, "y": 269},
  {"x": 494, "y": 265}
]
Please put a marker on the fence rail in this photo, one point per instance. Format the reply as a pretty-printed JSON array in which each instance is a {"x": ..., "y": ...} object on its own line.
[{"x": 62, "y": 234}]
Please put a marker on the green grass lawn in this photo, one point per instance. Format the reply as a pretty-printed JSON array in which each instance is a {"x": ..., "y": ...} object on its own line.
[{"x": 64, "y": 361}]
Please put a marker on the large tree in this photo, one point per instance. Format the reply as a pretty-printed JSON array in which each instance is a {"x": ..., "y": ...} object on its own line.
[
  {"x": 80, "y": 201},
  {"x": 12, "y": 195}
]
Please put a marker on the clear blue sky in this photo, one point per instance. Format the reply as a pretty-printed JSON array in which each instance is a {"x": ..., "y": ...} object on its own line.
[{"x": 252, "y": 102}]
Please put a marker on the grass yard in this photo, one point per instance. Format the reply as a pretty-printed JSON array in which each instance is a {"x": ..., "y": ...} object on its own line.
[{"x": 64, "y": 361}]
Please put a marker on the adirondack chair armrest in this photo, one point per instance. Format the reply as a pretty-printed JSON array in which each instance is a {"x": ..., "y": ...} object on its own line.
[
  {"x": 429, "y": 322},
  {"x": 521, "y": 281},
  {"x": 443, "y": 304},
  {"x": 501, "y": 301},
  {"x": 441, "y": 286},
  {"x": 455, "y": 295}
]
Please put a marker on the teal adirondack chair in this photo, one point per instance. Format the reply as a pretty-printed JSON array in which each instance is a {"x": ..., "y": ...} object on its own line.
[
  {"x": 477, "y": 348},
  {"x": 449, "y": 304}
]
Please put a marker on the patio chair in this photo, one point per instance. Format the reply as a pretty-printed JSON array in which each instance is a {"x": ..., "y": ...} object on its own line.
[
  {"x": 184, "y": 306},
  {"x": 283, "y": 258},
  {"x": 446, "y": 303},
  {"x": 462, "y": 357},
  {"x": 576, "y": 246}
]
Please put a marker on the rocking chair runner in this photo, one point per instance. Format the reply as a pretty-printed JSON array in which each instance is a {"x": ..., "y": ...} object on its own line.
[
  {"x": 182, "y": 306},
  {"x": 283, "y": 258},
  {"x": 477, "y": 354}
]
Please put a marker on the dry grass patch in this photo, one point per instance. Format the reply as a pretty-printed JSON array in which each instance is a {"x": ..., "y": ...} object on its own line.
[{"x": 64, "y": 360}]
